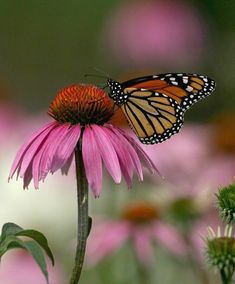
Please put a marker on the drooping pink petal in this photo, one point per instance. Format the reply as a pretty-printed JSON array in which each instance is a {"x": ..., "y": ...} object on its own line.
[
  {"x": 105, "y": 239},
  {"x": 130, "y": 149},
  {"x": 66, "y": 148},
  {"x": 67, "y": 165},
  {"x": 107, "y": 152},
  {"x": 33, "y": 148},
  {"x": 143, "y": 155},
  {"x": 43, "y": 158},
  {"x": 142, "y": 243},
  {"x": 92, "y": 161},
  {"x": 124, "y": 157},
  {"x": 169, "y": 237},
  {"x": 25, "y": 147},
  {"x": 27, "y": 176}
]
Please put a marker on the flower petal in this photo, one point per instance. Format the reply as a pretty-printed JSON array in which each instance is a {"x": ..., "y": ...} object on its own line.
[
  {"x": 92, "y": 161},
  {"x": 105, "y": 239},
  {"x": 20, "y": 155},
  {"x": 67, "y": 165},
  {"x": 66, "y": 147},
  {"x": 42, "y": 160},
  {"x": 33, "y": 149},
  {"x": 107, "y": 152},
  {"x": 124, "y": 157},
  {"x": 135, "y": 158},
  {"x": 169, "y": 237},
  {"x": 142, "y": 243},
  {"x": 141, "y": 153}
]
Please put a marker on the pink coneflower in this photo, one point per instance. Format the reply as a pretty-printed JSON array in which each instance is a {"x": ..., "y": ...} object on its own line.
[
  {"x": 81, "y": 128},
  {"x": 81, "y": 113},
  {"x": 146, "y": 33},
  {"x": 141, "y": 224}
]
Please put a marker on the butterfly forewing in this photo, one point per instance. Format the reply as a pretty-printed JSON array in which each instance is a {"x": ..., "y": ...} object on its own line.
[
  {"x": 186, "y": 89},
  {"x": 154, "y": 117}
]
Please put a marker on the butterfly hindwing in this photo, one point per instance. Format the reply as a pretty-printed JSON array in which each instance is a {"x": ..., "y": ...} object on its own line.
[{"x": 153, "y": 116}]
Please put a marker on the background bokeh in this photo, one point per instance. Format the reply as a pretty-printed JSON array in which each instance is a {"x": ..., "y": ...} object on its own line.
[{"x": 46, "y": 45}]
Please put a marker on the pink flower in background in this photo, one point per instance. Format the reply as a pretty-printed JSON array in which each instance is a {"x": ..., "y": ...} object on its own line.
[
  {"x": 81, "y": 115},
  {"x": 11, "y": 123},
  {"x": 189, "y": 161},
  {"x": 140, "y": 224},
  {"x": 20, "y": 268},
  {"x": 152, "y": 32}
]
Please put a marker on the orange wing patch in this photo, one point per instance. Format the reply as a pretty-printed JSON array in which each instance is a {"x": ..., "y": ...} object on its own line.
[
  {"x": 173, "y": 92},
  {"x": 151, "y": 85},
  {"x": 197, "y": 80}
]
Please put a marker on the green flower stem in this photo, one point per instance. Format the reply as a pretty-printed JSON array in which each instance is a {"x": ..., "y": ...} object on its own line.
[
  {"x": 195, "y": 264},
  {"x": 83, "y": 222},
  {"x": 144, "y": 271},
  {"x": 144, "y": 274},
  {"x": 225, "y": 278}
]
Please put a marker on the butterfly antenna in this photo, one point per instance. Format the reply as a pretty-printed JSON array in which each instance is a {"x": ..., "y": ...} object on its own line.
[
  {"x": 95, "y": 75},
  {"x": 104, "y": 86},
  {"x": 101, "y": 72}
]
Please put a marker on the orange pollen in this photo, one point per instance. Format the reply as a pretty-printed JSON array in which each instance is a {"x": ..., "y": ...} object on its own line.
[
  {"x": 83, "y": 104},
  {"x": 141, "y": 213}
]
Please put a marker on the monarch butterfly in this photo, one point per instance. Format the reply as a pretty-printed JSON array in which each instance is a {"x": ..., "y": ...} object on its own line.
[{"x": 155, "y": 105}]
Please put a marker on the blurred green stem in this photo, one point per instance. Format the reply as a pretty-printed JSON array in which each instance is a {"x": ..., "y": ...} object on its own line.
[
  {"x": 195, "y": 264},
  {"x": 82, "y": 200},
  {"x": 225, "y": 278},
  {"x": 144, "y": 271},
  {"x": 143, "y": 274}
]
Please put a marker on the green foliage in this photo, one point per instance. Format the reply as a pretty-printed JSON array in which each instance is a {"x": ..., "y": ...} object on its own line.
[
  {"x": 183, "y": 212},
  {"x": 221, "y": 255},
  {"x": 9, "y": 239},
  {"x": 226, "y": 203}
]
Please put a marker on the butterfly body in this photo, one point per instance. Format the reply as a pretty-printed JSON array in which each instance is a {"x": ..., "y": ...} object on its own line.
[{"x": 155, "y": 105}]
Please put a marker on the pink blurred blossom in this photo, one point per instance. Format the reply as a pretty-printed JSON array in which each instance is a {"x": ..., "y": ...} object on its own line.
[
  {"x": 189, "y": 163},
  {"x": 151, "y": 32},
  {"x": 109, "y": 235},
  {"x": 19, "y": 267},
  {"x": 11, "y": 123}
]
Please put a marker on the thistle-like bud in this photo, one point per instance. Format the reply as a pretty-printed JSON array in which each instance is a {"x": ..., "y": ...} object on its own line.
[
  {"x": 221, "y": 252},
  {"x": 226, "y": 203}
]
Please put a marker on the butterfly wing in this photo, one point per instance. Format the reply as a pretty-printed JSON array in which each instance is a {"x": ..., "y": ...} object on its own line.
[
  {"x": 153, "y": 116},
  {"x": 186, "y": 89}
]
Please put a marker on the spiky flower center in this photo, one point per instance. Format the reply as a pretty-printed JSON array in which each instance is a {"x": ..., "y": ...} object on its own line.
[
  {"x": 83, "y": 104},
  {"x": 183, "y": 210},
  {"x": 221, "y": 253},
  {"x": 226, "y": 203},
  {"x": 140, "y": 213}
]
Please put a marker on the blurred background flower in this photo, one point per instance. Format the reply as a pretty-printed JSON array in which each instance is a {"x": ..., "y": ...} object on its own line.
[
  {"x": 146, "y": 33},
  {"x": 140, "y": 224},
  {"x": 46, "y": 45}
]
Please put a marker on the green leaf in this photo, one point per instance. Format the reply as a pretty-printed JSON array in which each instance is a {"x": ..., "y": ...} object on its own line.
[
  {"x": 31, "y": 246},
  {"x": 9, "y": 239},
  {"x": 40, "y": 239},
  {"x": 38, "y": 256},
  {"x": 89, "y": 225},
  {"x": 9, "y": 229},
  {"x": 8, "y": 243}
]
